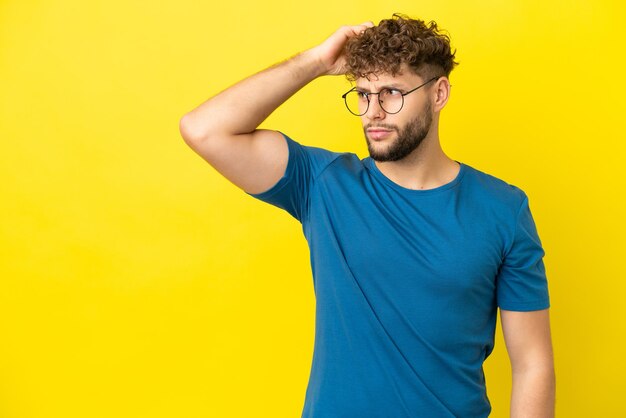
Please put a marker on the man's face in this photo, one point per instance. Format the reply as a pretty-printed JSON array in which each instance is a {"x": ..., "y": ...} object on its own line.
[{"x": 392, "y": 137}]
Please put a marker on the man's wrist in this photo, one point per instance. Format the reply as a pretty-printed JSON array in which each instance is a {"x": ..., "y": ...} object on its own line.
[{"x": 311, "y": 63}]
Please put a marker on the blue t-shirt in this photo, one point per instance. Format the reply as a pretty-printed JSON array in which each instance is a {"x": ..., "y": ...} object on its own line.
[{"x": 407, "y": 283}]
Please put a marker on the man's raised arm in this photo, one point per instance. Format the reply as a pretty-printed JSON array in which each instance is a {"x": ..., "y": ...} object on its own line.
[{"x": 223, "y": 130}]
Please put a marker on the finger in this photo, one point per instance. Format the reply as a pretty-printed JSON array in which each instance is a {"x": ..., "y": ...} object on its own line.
[{"x": 358, "y": 29}]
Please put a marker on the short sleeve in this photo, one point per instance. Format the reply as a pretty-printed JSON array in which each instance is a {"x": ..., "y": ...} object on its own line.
[
  {"x": 521, "y": 282},
  {"x": 291, "y": 192}
]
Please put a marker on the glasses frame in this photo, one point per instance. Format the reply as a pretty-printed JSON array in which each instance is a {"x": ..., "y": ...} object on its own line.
[{"x": 367, "y": 96}]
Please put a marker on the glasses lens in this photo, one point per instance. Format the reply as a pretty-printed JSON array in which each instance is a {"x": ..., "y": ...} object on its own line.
[
  {"x": 391, "y": 100},
  {"x": 356, "y": 103}
]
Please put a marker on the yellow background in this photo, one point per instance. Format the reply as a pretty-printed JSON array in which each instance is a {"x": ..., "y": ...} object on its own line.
[{"x": 135, "y": 281}]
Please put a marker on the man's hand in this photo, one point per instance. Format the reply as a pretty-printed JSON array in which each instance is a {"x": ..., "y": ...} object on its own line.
[{"x": 330, "y": 52}]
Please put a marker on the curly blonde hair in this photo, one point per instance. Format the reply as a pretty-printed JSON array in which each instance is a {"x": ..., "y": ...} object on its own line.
[{"x": 396, "y": 41}]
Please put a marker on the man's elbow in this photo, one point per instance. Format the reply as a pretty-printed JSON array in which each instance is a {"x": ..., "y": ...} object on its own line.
[
  {"x": 189, "y": 131},
  {"x": 539, "y": 375}
]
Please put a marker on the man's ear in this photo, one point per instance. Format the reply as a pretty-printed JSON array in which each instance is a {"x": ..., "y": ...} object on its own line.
[{"x": 441, "y": 93}]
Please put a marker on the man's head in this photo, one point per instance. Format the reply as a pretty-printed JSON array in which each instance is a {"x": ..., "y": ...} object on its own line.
[
  {"x": 397, "y": 41},
  {"x": 399, "y": 54}
]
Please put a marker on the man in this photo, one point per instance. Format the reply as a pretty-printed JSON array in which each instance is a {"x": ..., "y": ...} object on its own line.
[{"x": 412, "y": 252}]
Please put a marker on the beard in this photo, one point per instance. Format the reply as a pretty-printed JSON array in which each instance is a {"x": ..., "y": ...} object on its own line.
[{"x": 408, "y": 140}]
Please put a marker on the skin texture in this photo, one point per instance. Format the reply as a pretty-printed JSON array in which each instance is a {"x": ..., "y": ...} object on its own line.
[
  {"x": 529, "y": 345},
  {"x": 414, "y": 131},
  {"x": 224, "y": 131},
  {"x": 407, "y": 139}
]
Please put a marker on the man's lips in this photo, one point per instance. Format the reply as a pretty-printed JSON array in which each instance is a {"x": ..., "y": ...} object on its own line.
[{"x": 378, "y": 133}]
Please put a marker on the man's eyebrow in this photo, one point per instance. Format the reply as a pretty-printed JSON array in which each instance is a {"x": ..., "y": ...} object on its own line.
[{"x": 397, "y": 86}]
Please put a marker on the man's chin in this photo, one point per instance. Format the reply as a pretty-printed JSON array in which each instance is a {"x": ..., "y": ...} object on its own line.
[
  {"x": 380, "y": 158},
  {"x": 378, "y": 153}
]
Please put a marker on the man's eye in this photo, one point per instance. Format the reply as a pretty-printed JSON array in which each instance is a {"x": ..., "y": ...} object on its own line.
[
  {"x": 393, "y": 92},
  {"x": 361, "y": 94}
]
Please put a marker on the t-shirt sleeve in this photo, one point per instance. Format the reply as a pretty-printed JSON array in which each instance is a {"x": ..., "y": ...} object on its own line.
[
  {"x": 291, "y": 192},
  {"x": 521, "y": 282}
]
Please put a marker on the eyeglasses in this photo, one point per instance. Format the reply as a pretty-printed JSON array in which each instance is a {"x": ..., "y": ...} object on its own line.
[{"x": 391, "y": 100}]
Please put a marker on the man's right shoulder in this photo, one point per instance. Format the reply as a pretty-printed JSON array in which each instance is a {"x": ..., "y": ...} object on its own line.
[{"x": 317, "y": 158}]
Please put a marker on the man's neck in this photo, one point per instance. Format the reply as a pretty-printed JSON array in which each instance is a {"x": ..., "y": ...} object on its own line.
[{"x": 425, "y": 168}]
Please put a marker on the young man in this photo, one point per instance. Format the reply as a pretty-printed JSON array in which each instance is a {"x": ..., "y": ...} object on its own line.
[{"x": 412, "y": 252}]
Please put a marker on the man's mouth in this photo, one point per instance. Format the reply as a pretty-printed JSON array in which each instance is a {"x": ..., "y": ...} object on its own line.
[{"x": 378, "y": 133}]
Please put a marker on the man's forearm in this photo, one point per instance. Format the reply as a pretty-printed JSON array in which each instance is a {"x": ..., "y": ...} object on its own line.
[
  {"x": 245, "y": 105},
  {"x": 533, "y": 394}
]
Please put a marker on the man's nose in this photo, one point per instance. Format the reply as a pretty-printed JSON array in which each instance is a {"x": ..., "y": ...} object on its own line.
[{"x": 375, "y": 111}]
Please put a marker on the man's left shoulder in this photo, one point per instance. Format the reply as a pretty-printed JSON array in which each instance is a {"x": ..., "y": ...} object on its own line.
[{"x": 495, "y": 189}]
